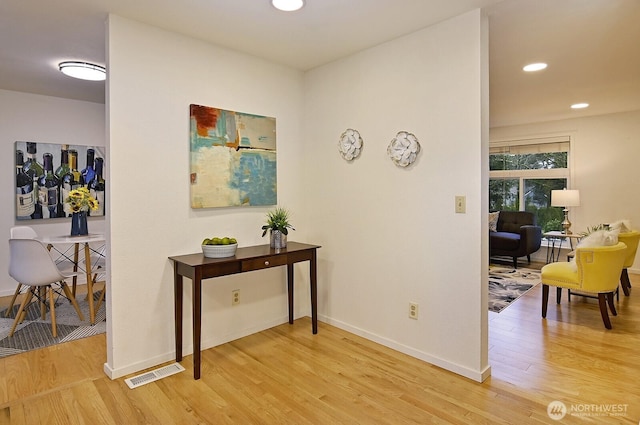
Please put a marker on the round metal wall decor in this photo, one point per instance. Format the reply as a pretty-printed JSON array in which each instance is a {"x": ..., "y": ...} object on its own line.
[
  {"x": 403, "y": 149},
  {"x": 350, "y": 144}
]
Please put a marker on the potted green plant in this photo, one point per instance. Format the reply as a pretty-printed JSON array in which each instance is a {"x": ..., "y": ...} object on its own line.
[{"x": 278, "y": 225}]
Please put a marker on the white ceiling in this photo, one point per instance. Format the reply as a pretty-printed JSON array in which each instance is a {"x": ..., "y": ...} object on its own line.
[
  {"x": 592, "y": 48},
  {"x": 591, "y": 45}
]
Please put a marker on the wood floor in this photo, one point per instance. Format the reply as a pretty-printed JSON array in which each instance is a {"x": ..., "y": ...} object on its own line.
[{"x": 287, "y": 376}]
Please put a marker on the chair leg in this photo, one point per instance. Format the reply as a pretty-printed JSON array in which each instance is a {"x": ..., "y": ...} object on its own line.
[
  {"x": 558, "y": 295},
  {"x": 43, "y": 302},
  {"x": 515, "y": 262},
  {"x": 625, "y": 282},
  {"x": 545, "y": 299},
  {"x": 101, "y": 298},
  {"x": 52, "y": 306},
  {"x": 25, "y": 302},
  {"x": 71, "y": 298},
  {"x": 529, "y": 258},
  {"x": 13, "y": 300},
  {"x": 612, "y": 306},
  {"x": 602, "y": 301}
]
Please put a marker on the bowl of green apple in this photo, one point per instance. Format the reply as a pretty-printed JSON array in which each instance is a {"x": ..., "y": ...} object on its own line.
[{"x": 217, "y": 247}]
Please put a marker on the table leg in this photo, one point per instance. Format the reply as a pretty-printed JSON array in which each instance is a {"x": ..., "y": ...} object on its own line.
[
  {"x": 314, "y": 292},
  {"x": 559, "y": 250},
  {"x": 177, "y": 295},
  {"x": 197, "y": 325},
  {"x": 290, "y": 291},
  {"x": 552, "y": 254},
  {"x": 87, "y": 260},
  {"x": 75, "y": 269}
]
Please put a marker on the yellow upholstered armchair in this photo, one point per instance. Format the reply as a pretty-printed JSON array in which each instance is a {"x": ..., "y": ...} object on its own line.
[
  {"x": 631, "y": 240},
  {"x": 596, "y": 270}
]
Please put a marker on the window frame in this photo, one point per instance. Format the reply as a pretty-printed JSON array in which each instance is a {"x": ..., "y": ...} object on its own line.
[{"x": 536, "y": 144}]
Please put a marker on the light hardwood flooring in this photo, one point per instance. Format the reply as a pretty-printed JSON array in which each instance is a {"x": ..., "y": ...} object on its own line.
[{"x": 285, "y": 375}]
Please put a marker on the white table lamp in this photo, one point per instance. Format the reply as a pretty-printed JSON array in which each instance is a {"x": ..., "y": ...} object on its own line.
[{"x": 565, "y": 198}]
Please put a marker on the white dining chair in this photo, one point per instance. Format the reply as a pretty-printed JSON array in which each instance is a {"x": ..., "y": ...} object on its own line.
[
  {"x": 31, "y": 265},
  {"x": 19, "y": 232}
]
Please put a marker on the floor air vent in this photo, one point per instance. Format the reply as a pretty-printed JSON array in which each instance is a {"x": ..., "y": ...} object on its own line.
[{"x": 154, "y": 375}]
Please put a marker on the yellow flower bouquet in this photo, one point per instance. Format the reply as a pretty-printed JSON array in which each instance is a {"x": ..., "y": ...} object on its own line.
[{"x": 81, "y": 200}]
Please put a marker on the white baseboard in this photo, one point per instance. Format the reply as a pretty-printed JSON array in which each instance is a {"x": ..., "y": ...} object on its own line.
[
  {"x": 476, "y": 375},
  {"x": 137, "y": 367},
  {"x": 115, "y": 373}
]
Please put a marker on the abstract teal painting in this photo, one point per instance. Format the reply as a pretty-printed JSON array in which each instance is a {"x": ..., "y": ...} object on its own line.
[{"x": 233, "y": 158}]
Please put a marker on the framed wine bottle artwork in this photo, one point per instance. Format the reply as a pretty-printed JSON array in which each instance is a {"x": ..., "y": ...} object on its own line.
[
  {"x": 47, "y": 172},
  {"x": 232, "y": 158}
]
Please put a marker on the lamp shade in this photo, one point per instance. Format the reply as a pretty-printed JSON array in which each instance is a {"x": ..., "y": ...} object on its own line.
[{"x": 565, "y": 198}]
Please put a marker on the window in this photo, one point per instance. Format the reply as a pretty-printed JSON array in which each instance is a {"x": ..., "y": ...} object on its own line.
[{"x": 522, "y": 175}]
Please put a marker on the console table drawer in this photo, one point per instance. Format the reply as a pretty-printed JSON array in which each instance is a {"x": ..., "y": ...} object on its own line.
[{"x": 264, "y": 263}]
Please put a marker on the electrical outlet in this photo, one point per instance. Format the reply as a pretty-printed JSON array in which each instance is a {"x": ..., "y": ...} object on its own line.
[
  {"x": 461, "y": 204},
  {"x": 235, "y": 297},
  {"x": 413, "y": 311}
]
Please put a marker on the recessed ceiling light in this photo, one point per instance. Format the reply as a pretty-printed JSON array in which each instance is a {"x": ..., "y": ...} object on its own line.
[
  {"x": 535, "y": 67},
  {"x": 287, "y": 5},
  {"x": 579, "y": 105},
  {"x": 83, "y": 70}
]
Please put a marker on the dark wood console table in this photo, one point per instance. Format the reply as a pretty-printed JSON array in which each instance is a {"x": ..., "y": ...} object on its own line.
[{"x": 198, "y": 267}]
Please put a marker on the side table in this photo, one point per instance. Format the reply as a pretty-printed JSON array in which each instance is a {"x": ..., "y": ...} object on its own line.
[
  {"x": 197, "y": 267},
  {"x": 556, "y": 239}
]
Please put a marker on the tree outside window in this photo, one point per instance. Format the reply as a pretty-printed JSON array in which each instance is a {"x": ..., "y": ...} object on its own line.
[{"x": 523, "y": 176}]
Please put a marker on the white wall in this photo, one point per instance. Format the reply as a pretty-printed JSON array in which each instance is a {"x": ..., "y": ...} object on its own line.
[
  {"x": 153, "y": 77},
  {"x": 30, "y": 117},
  {"x": 604, "y": 151},
  {"x": 410, "y": 84},
  {"x": 389, "y": 235}
]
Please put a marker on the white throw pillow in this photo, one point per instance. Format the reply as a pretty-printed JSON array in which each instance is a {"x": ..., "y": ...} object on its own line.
[
  {"x": 599, "y": 238},
  {"x": 624, "y": 226},
  {"x": 493, "y": 221}
]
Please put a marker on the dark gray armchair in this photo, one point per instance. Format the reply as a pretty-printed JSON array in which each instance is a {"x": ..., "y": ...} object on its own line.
[{"x": 517, "y": 235}]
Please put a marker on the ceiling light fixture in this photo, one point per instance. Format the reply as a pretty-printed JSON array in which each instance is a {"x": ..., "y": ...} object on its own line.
[
  {"x": 83, "y": 70},
  {"x": 287, "y": 5},
  {"x": 579, "y": 105},
  {"x": 535, "y": 67}
]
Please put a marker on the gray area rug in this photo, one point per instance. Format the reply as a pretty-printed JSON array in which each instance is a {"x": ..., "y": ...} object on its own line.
[
  {"x": 507, "y": 285},
  {"x": 34, "y": 333}
]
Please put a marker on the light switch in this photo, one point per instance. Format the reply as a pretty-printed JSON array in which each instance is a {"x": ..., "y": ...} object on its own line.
[{"x": 461, "y": 204}]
